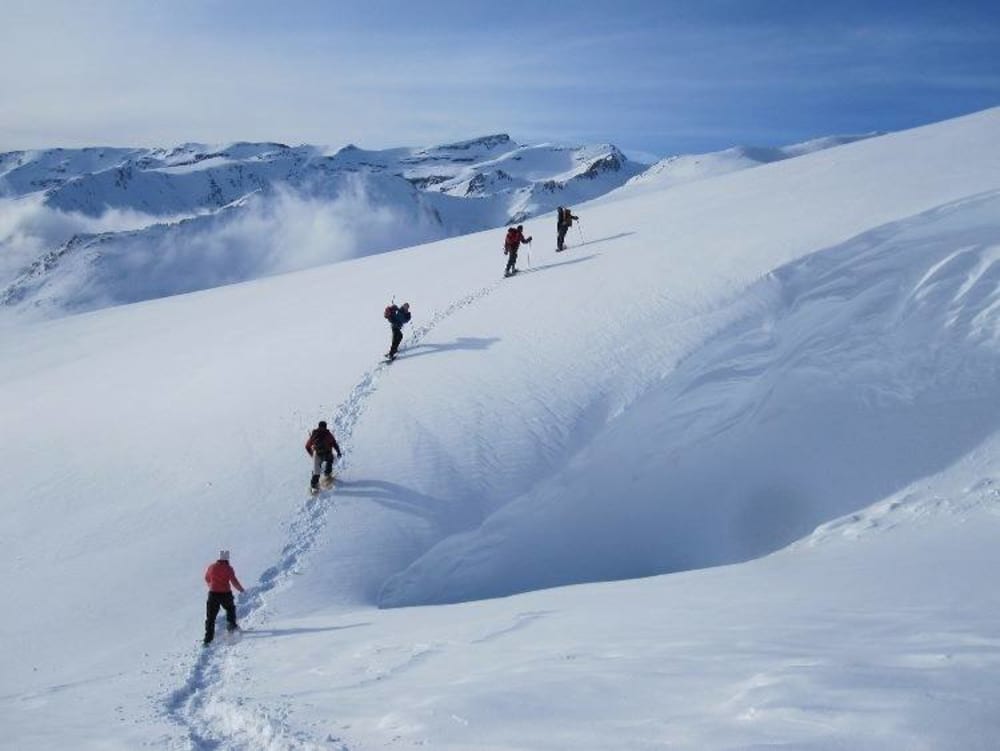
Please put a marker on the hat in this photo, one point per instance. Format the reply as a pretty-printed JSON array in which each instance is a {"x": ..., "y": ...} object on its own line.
[
  {"x": 322, "y": 423},
  {"x": 223, "y": 555}
]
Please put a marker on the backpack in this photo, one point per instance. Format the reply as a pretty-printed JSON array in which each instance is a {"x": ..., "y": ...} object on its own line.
[
  {"x": 389, "y": 312},
  {"x": 318, "y": 441}
]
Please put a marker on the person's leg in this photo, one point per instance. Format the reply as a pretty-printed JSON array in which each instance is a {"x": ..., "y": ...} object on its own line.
[
  {"x": 328, "y": 463},
  {"x": 397, "y": 337},
  {"x": 317, "y": 465},
  {"x": 211, "y": 611},
  {"x": 230, "y": 607}
]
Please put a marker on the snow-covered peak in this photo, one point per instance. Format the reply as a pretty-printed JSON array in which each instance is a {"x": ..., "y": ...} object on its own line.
[{"x": 483, "y": 143}]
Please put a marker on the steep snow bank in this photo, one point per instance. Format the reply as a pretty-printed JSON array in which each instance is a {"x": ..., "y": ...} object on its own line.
[{"x": 850, "y": 374}]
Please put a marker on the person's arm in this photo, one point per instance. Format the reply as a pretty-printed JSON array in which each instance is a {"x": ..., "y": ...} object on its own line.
[
  {"x": 208, "y": 580},
  {"x": 336, "y": 446},
  {"x": 309, "y": 445},
  {"x": 234, "y": 581}
]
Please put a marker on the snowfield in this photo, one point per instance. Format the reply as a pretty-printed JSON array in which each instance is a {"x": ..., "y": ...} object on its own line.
[{"x": 723, "y": 475}]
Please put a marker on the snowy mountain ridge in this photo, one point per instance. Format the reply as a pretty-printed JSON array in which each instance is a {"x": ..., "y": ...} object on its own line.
[{"x": 198, "y": 177}]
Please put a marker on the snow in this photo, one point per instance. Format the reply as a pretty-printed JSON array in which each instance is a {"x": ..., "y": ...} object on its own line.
[
  {"x": 727, "y": 469},
  {"x": 684, "y": 168}
]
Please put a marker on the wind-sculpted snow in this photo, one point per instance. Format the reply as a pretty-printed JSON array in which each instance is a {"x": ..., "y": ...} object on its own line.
[{"x": 851, "y": 374}]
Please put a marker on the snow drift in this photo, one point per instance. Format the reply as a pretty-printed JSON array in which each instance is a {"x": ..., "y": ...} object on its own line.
[{"x": 847, "y": 376}]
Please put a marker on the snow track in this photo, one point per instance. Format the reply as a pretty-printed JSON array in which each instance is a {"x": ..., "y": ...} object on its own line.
[{"x": 214, "y": 721}]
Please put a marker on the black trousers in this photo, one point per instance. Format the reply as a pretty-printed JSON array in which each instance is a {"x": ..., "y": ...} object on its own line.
[
  {"x": 561, "y": 235},
  {"x": 218, "y": 600},
  {"x": 397, "y": 337},
  {"x": 511, "y": 261}
]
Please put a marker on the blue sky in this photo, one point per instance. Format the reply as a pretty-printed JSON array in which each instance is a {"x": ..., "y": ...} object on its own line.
[{"x": 657, "y": 77}]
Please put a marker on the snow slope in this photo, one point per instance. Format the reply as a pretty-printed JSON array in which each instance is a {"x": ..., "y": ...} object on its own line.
[
  {"x": 685, "y": 168},
  {"x": 805, "y": 353}
]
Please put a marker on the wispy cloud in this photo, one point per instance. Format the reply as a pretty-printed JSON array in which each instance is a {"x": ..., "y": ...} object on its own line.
[
  {"x": 285, "y": 231},
  {"x": 29, "y": 229}
]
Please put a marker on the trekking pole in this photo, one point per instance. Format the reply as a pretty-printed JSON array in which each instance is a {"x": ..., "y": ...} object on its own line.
[
  {"x": 529, "y": 254},
  {"x": 580, "y": 231}
]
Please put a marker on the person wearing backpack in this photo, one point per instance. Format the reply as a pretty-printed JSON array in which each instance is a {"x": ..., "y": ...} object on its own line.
[
  {"x": 564, "y": 220},
  {"x": 320, "y": 447},
  {"x": 515, "y": 236},
  {"x": 220, "y": 578},
  {"x": 396, "y": 316}
]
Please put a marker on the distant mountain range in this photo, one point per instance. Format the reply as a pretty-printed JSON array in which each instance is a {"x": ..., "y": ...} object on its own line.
[{"x": 93, "y": 227}]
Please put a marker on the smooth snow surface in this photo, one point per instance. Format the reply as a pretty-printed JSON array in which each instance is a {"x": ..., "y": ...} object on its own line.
[
  {"x": 771, "y": 394},
  {"x": 685, "y": 168}
]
